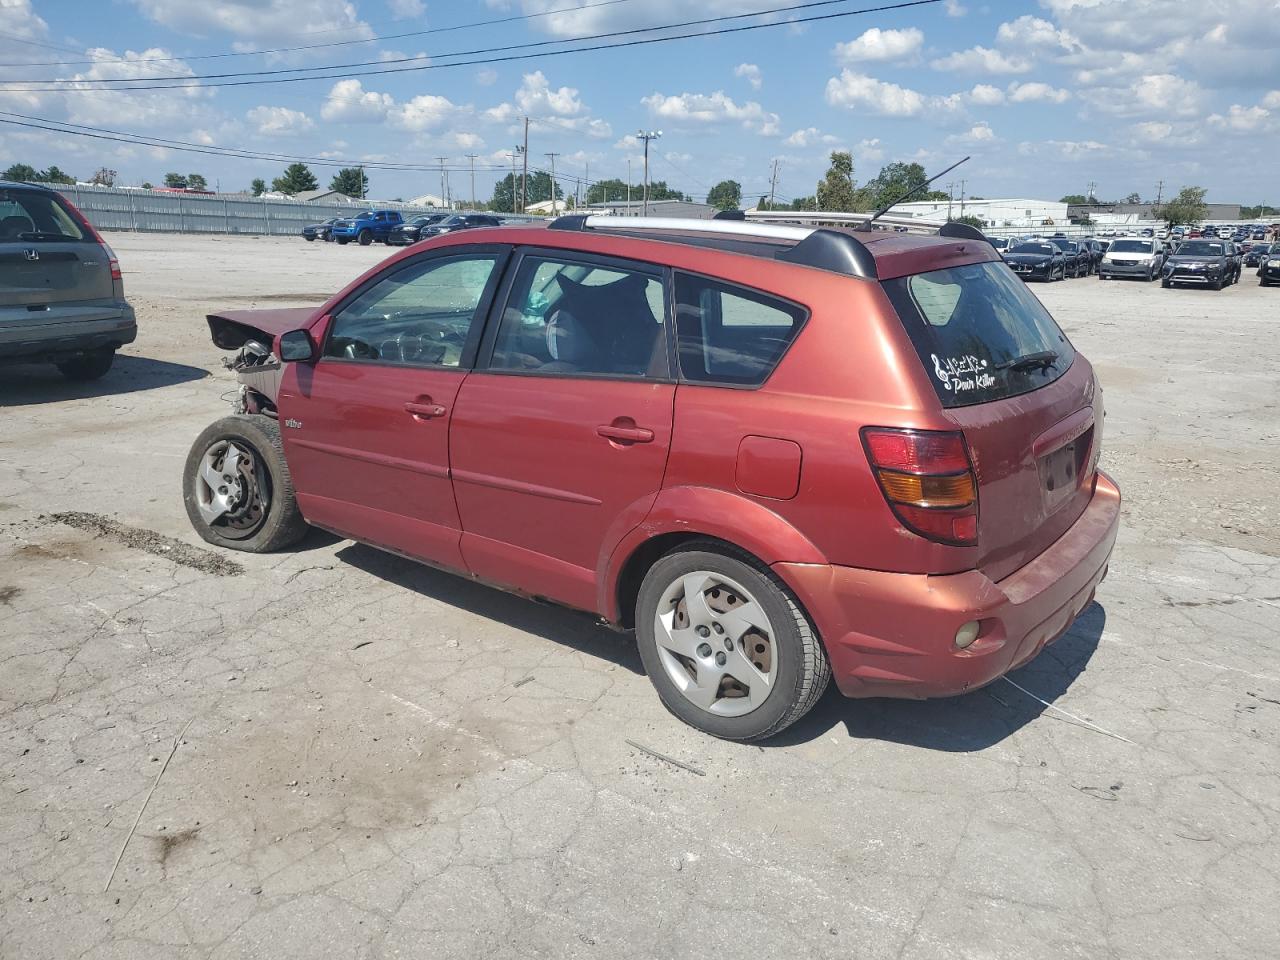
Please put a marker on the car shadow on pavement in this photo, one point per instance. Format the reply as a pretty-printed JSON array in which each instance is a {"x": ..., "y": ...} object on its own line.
[
  {"x": 25, "y": 384},
  {"x": 965, "y": 723},
  {"x": 561, "y": 625}
]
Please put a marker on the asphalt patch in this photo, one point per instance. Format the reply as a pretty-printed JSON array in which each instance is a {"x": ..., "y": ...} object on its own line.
[{"x": 148, "y": 541}]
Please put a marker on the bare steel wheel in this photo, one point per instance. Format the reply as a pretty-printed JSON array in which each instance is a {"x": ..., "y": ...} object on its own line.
[
  {"x": 237, "y": 488},
  {"x": 716, "y": 643},
  {"x": 726, "y": 643}
]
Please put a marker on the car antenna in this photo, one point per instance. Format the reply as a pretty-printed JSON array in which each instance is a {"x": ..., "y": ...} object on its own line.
[{"x": 912, "y": 192}]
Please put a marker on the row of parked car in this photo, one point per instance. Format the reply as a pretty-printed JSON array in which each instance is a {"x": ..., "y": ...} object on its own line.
[
  {"x": 1205, "y": 261},
  {"x": 390, "y": 227}
]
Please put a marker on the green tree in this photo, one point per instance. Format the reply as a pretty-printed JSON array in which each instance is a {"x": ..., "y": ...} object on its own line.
[
  {"x": 21, "y": 173},
  {"x": 1255, "y": 213},
  {"x": 658, "y": 190},
  {"x": 147, "y": 185},
  {"x": 352, "y": 181},
  {"x": 54, "y": 175},
  {"x": 803, "y": 203},
  {"x": 1133, "y": 198},
  {"x": 196, "y": 181},
  {"x": 1074, "y": 199},
  {"x": 1187, "y": 207},
  {"x": 176, "y": 180},
  {"x": 296, "y": 178},
  {"x": 971, "y": 221},
  {"x": 835, "y": 190},
  {"x": 603, "y": 191},
  {"x": 259, "y": 186},
  {"x": 104, "y": 177},
  {"x": 725, "y": 195},
  {"x": 895, "y": 181},
  {"x": 506, "y": 192}
]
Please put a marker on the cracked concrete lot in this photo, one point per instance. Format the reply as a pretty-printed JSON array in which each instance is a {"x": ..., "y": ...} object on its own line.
[{"x": 387, "y": 761}]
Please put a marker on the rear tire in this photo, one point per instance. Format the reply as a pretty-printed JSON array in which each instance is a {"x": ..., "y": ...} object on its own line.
[
  {"x": 265, "y": 517},
  {"x": 88, "y": 366},
  {"x": 308, "y": 239},
  {"x": 778, "y": 656}
]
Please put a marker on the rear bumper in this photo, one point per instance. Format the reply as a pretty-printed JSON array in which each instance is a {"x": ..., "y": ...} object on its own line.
[
  {"x": 892, "y": 634},
  {"x": 34, "y": 342}
]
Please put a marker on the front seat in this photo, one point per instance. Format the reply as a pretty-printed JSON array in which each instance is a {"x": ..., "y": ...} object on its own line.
[{"x": 11, "y": 228}]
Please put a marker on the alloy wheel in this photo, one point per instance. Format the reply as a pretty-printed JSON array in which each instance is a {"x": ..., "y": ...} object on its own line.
[{"x": 716, "y": 643}]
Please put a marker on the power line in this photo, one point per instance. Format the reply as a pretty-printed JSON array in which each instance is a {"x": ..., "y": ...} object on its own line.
[
  {"x": 313, "y": 46},
  {"x": 80, "y": 86}
]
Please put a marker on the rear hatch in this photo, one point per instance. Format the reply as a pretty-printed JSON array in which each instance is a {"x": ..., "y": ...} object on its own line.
[
  {"x": 1007, "y": 376},
  {"x": 50, "y": 263}
]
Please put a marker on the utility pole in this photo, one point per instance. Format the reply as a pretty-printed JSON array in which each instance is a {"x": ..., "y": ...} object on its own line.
[
  {"x": 472, "y": 158},
  {"x": 514, "y": 152},
  {"x": 553, "y": 180},
  {"x": 524, "y": 176},
  {"x": 585, "y": 181},
  {"x": 443, "y": 201},
  {"x": 773, "y": 183},
  {"x": 1159, "y": 192},
  {"x": 1093, "y": 186},
  {"x": 628, "y": 180},
  {"x": 362, "y": 189},
  {"x": 646, "y": 136},
  {"x": 951, "y": 196},
  {"x": 962, "y": 183}
]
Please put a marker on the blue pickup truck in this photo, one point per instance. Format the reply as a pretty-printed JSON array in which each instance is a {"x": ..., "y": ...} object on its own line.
[{"x": 366, "y": 227}]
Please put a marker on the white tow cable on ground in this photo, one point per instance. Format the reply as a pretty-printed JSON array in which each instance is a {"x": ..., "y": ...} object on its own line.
[{"x": 1091, "y": 726}]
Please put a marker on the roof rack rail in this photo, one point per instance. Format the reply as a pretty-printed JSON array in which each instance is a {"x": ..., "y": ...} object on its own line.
[{"x": 811, "y": 246}]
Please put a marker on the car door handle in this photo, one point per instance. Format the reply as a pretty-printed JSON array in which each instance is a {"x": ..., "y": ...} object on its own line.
[
  {"x": 623, "y": 434},
  {"x": 424, "y": 410}
]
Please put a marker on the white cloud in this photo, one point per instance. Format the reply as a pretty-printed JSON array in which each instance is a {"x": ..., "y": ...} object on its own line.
[
  {"x": 1036, "y": 91},
  {"x": 279, "y": 121},
  {"x": 979, "y": 133},
  {"x": 1242, "y": 119},
  {"x": 854, "y": 90},
  {"x": 808, "y": 137},
  {"x": 1272, "y": 100},
  {"x": 869, "y": 151},
  {"x": 955, "y": 8},
  {"x": 406, "y": 9},
  {"x": 712, "y": 108},
  {"x": 1029, "y": 31},
  {"x": 561, "y": 107},
  {"x": 878, "y": 46},
  {"x": 1154, "y": 94},
  {"x": 486, "y": 77},
  {"x": 983, "y": 60},
  {"x": 18, "y": 19},
  {"x": 262, "y": 23},
  {"x": 1153, "y": 131},
  {"x": 157, "y": 108},
  {"x": 423, "y": 112},
  {"x": 751, "y": 73},
  {"x": 349, "y": 102},
  {"x": 985, "y": 95}
]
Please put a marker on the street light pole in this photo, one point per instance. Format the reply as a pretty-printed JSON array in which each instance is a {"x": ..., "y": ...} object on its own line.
[
  {"x": 472, "y": 158},
  {"x": 553, "y": 180},
  {"x": 646, "y": 136}
]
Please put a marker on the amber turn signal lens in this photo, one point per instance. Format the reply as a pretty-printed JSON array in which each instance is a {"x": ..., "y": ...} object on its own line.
[{"x": 917, "y": 491}]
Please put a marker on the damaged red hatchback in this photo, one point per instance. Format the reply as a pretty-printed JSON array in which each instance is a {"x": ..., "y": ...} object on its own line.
[{"x": 779, "y": 453}]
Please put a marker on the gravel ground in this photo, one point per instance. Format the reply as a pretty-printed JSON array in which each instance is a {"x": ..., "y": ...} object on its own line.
[{"x": 379, "y": 760}]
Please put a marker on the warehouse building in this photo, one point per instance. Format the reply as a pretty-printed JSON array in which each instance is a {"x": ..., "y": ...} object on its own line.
[{"x": 993, "y": 213}]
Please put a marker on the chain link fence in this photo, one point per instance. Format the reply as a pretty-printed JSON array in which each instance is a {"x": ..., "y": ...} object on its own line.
[{"x": 149, "y": 211}]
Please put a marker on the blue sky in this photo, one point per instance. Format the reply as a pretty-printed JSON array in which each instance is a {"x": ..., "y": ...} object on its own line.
[{"x": 1047, "y": 96}]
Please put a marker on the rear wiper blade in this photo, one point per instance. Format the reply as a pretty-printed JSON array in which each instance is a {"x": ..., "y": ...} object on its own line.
[
  {"x": 35, "y": 235},
  {"x": 1031, "y": 361}
]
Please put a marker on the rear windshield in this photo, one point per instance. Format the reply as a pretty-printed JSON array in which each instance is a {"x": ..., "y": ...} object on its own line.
[
  {"x": 1025, "y": 246},
  {"x": 1198, "y": 248},
  {"x": 34, "y": 216},
  {"x": 1066, "y": 246},
  {"x": 980, "y": 333},
  {"x": 1131, "y": 246}
]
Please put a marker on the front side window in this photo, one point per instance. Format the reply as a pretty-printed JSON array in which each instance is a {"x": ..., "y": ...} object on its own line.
[
  {"x": 575, "y": 318},
  {"x": 730, "y": 334},
  {"x": 420, "y": 314}
]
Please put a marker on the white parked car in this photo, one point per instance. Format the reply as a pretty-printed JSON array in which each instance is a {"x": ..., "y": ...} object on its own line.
[{"x": 1141, "y": 257}]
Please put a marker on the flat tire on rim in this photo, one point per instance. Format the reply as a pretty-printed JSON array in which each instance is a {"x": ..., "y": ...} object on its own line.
[
  {"x": 237, "y": 488},
  {"x": 725, "y": 643}
]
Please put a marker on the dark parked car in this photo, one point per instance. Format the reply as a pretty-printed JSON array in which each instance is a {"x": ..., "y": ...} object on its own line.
[
  {"x": 1255, "y": 254},
  {"x": 61, "y": 292},
  {"x": 1269, "y": 266},
  {"x": 1036, "y": 260},
  {"x": 1096, "y": 251},
  {"x": 683, "y": 436},
  {"x": 460, "y": 221},
  {"x": 1077, "y": 258},
  {"x": 319, "y": 231},
  {"x": 1201, "y": 262},
  {"x": 411, "y": 230}
]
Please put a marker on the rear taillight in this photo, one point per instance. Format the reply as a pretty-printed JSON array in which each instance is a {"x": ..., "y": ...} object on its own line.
[{"x": 927, "y": 478}]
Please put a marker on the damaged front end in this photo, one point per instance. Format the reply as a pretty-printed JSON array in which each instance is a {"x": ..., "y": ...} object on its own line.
[{"x": 253, "y": 334}]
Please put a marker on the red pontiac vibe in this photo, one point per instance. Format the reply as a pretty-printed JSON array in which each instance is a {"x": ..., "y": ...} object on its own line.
[{"x": 778, "y": 453}]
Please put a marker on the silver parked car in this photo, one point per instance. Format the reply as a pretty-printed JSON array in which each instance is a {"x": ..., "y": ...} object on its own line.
[{"x": 61, "y": 295}]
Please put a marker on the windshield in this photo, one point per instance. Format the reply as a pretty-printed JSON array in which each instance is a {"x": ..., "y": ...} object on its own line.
[
  {"x": 453, "y": 221},
  {"x": 34, "y": 216},
  {"x": 1066, "y": 246},
  {"x": 1200, "y": 248},
  {"x": 1131, "y": 246},
  {"x": 1028, "y": 247},
  {"x": 971, "y": 325}
]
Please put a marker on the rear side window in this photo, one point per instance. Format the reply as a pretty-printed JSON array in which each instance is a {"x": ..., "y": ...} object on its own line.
[
  {"x": 980, "y": 333},
  {"x": 729, "y": 334},
  {"x": 33, "y": 216}
]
